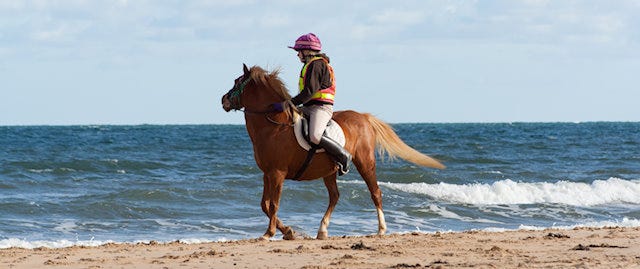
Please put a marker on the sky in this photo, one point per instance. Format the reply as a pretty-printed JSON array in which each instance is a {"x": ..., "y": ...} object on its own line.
[{"x": 71, "y": 62}]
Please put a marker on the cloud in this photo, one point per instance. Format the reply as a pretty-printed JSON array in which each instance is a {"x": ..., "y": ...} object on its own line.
[
  {"x": 11, "y": 5},
  {"x": 399, "y": 17},
  {"x": 274, "y": 20},
  {"x": 61, "y": 31},
  {"x": 118, "y": 24}
]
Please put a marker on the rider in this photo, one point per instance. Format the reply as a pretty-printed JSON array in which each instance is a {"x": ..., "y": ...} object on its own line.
[{"x": 317, "y": 93}]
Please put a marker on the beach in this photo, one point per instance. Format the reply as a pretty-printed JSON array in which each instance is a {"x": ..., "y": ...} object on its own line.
[{"x": 608, "y": 247}]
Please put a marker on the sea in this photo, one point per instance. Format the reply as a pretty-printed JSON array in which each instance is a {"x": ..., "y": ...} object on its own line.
[{"x": 90, "y": 185}]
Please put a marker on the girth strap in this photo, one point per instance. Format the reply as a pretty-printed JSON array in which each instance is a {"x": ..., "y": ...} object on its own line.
[
  {"x": 312, "y": 150},
  {"x": 306, "y": 163}
]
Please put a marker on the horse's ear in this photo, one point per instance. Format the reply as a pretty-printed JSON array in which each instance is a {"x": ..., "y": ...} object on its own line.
[{"x": 246, "y": 70}]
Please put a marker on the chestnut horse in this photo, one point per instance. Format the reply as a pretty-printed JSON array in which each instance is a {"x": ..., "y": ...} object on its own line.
[{"x": 279, "y": 156}]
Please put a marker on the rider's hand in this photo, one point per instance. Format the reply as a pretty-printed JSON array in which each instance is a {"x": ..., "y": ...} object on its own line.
[{"x": 277, "y": 107}]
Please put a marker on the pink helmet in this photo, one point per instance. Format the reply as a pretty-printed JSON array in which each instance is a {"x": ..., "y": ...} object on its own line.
[{"x": 308, "y": 42}]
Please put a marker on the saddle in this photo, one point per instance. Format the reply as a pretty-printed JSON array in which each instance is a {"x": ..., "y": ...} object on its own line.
[{"x": 301, "y": 130}]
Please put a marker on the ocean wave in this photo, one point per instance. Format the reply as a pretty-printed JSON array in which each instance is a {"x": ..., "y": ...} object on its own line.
[{"x": 506, "y": 192}]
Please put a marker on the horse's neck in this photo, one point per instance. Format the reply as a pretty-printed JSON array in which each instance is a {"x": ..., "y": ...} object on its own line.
[{"x": 261, "y": 127}]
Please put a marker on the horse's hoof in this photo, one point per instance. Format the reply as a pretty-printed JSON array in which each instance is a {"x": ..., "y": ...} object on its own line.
[
  {"x": 289, "y": 235},
  {"x": 265, "y": 237},
  {"x": 322, "y": 235}
]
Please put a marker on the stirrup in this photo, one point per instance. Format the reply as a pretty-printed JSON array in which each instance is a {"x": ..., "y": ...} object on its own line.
[{"x": 342, "y": 170}]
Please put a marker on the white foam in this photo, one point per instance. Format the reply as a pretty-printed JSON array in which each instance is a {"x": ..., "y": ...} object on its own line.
[
  {"x": 40, "y": 171},
  {"x": 625, "y": 222},
  {"x": 443, "y": 212},
  {"x": 66, "y": 226},
  {"x": 22, "y": 243},
  {"x": 506, "y": 192}
]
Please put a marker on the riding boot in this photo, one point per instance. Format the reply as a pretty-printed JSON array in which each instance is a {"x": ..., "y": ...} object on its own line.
[{"x": 339, "y": 154}]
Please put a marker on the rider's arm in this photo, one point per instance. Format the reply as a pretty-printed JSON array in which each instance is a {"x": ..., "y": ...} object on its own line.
[{"x": 316, "y": 74}]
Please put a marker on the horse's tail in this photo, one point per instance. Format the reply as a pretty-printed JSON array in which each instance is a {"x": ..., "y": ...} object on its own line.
[{"x": 388, "y": 141}]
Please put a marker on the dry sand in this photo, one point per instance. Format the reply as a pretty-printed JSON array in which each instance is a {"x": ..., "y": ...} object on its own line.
[{"x": 577, "y": 248}]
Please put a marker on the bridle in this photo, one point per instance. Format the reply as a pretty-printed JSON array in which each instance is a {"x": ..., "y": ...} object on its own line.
[
  {"x": 234, "y": 94},
  {"x": 234, "y": 98}
]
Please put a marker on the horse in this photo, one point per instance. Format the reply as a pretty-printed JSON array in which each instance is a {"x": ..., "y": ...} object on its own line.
[{"x": 279, "y": 156}]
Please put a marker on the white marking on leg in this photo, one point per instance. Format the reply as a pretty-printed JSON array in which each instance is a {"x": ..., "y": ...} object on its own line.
[
  {"x": 323, "y": 231},
  {"x": 382, "y": 224}
]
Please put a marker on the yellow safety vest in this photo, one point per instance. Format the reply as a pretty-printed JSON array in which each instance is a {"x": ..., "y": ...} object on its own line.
[{"x": 324, "y": 95}]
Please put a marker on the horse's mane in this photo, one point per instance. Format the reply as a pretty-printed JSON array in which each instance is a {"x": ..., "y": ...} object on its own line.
[{"x": 271, "y": 80}]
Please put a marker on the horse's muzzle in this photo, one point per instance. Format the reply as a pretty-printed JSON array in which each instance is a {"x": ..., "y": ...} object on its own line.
[{"x": 226, "y": 104}]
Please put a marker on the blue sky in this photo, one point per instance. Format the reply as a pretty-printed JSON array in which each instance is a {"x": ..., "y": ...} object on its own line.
[{"x": 169, "y": 62}]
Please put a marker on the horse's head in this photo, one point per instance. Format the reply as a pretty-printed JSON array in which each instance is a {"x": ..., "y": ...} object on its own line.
[
  {"x": 232, "y": 100},
  {"x": 255, "y": 91}
]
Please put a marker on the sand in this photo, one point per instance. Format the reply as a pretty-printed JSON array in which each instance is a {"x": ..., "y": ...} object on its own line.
[{"x": 577, "y": 248}]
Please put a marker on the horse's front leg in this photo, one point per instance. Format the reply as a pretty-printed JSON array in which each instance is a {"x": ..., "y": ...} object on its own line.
[{"x": 271, "y": 193}]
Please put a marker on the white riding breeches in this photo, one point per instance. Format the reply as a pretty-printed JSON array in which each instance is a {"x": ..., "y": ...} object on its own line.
[{"x": 319, "y": 117}]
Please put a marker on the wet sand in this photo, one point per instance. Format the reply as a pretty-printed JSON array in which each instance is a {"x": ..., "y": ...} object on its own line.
[{"x": 577, "y": 248}]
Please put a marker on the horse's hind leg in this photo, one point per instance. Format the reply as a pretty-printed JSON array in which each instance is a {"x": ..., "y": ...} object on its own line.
[
  {"x": 367, "y": 169},
  {"x": 334, "y": 195}
]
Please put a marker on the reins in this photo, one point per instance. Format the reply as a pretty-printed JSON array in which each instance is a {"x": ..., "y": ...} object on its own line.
[
  {"x": 234, "y": 98},
  {"x": 266, "y": 115}
]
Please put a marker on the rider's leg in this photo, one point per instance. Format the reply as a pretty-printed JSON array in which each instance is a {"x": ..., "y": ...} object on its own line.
[{"x": 319, "y": 118}]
